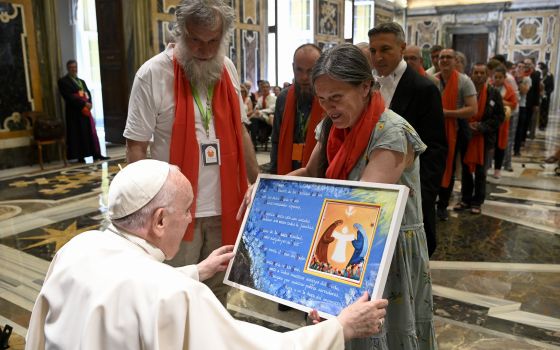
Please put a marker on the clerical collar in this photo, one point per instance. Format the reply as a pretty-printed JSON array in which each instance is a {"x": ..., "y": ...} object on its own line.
[{"x": 153, "y": 251}]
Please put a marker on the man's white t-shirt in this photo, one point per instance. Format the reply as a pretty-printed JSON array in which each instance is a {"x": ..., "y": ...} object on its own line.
[{"x": 151, "y": 113}]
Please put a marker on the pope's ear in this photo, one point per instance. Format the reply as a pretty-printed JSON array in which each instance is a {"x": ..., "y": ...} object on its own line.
[{"x": 158, "y": 221}]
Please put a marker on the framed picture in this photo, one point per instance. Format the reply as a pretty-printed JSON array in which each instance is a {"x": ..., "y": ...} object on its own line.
[{"x": 317, "y": 243}]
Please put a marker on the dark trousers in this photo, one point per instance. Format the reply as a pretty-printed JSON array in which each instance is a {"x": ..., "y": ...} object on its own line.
[
  {"x": 429, "y": 214},
  {"x": 444, "y": 194},
  {"x": 498, "y": 157},
  {"x": 260, "y": 132},
  {"x": 545, "y": 106},
  {"x": 521, "y": 132},
  {"x": 473, "y": 191}
]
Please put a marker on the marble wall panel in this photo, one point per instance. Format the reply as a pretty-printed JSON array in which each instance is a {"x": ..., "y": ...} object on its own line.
[
  {"x": 531, "y": 34},
  {"x": 20, "y": 83},
  {"x": 426, "y": 31}
]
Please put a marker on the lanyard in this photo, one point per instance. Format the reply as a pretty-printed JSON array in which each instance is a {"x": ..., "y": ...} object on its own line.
[
  {"x": 205, "y": 113},
  {"x": 303, "y": 123}
]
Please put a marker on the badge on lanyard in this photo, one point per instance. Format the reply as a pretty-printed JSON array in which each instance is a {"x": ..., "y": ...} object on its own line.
[{"x": 210, "y": 153}]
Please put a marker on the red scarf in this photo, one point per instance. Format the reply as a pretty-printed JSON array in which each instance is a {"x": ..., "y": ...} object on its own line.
[
  {"x": 475, "y": 149},
  {"x": 422, "y": 71},
  {"x": 503, "y": 131},
  {"x": 185, "y": 151},
  {"x": 449, "y": 101},
  {"x": 286, "y": 141},
  {"x": 346, "y": 146}
]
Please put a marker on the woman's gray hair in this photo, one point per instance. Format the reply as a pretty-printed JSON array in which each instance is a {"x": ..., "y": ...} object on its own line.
[
  {"x": 207, "y": 13},
  {"x": 344, "y": 62},
  {"x": 163, "y": 199}
]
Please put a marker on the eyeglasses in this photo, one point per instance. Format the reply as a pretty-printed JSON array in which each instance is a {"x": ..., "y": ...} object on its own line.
[{"x": 411, "y": 58}]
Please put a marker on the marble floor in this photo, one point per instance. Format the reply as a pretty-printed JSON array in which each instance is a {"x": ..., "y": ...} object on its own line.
[{"x": 496, "y": 276}]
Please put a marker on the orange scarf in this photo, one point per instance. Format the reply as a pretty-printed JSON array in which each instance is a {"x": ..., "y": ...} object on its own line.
[
  {"x": 422, "y": 71},
  {"x": 449, "y": 101},
  {"x": 346, "y": 146},
  {"x": 475, "y": 149},
  {"x": 286, "y": 141},
  {"x": 503, "y": 131},
  {"x": 185, "y": 151}
]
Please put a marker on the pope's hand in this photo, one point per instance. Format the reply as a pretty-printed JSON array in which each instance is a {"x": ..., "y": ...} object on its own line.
[
  {"x": 363, "y": 318},
  {"x": 215, "y": 262}
]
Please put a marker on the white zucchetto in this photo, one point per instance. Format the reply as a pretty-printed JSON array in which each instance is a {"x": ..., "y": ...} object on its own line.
[{"x": 135, "y": 185}]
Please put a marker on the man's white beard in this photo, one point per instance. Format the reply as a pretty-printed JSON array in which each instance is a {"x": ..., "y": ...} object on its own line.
[{"x": 200, "y": 73}]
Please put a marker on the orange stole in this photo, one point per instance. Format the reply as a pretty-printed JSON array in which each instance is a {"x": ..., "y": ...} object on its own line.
[
  {"x": 503, "y": 131},
  {"x": 449, "y": 101},
  {"x": 185, "y": 151},
  {"x": 475, "y": 149},
  {"x": 346, "y": 146},
  {"x": 286, "y": 141}
]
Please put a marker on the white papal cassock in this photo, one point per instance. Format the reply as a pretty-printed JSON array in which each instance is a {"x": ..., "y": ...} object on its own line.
[{"x": 109, "y": 290}]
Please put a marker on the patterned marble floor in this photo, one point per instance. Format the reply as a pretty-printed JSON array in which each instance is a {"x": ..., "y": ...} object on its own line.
[{"x": 496, "y": 276}]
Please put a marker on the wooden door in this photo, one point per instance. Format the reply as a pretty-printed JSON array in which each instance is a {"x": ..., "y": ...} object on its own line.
[
  {"x": 114, "y": 80},
  {"x": 474, "y": 46}
]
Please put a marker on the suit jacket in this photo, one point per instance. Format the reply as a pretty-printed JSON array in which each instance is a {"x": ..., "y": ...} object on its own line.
[
  {"x": 493, "y": 116},
  {"x": 418, "y": 101}
]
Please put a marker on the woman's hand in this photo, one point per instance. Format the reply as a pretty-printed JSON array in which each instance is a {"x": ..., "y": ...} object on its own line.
[{"x": 246, "y": 201}]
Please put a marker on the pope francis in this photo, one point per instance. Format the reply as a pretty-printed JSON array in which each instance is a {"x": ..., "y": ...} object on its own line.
[{"x": 110, "y": 290}]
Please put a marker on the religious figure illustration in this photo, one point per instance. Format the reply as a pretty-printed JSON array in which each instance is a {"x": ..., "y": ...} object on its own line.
[
  {"x": 342, "y": 239},
  {"x": 321, "y": 252},
  {"x": 339, "y": 254},
  {"x": 360, "y": 245}
]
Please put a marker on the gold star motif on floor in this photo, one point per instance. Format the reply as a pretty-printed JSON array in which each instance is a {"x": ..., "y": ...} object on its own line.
[{"x": 58, "y": 237}]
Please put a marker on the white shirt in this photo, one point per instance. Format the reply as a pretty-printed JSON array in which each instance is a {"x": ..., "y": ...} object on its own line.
[
  {"x": 389, "y": 82},
  {"x": 103, "y": 291},
  {"x": 151, "y": 113}
]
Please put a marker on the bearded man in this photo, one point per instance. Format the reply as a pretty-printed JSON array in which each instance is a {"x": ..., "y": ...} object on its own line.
[
  {"x": 296, "y": 115},
  {"x": 186, "y": 106}
]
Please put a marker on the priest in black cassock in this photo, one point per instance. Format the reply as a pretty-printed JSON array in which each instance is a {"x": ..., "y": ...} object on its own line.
[{"x": 81, "y": 137}]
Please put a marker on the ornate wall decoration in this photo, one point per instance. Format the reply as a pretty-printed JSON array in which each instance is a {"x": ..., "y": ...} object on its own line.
[
  {"x": 163, "y": 18},
  {"x": 427, "y": 34},
  {"x": 246, "y": 45},
  {"x": 328, "y": 18},
  {"x": 250, "y": 55},
  {"x": 423, "y": 31},
  {"x": 383, "y": 17},
  {"x": 249, "y": 36},
  {"x": 20, "y": 81},
  {"x": 529, "y": 31},
  {"x": 504, "y": 34},
  {"x": 329, "y": 15},
  {"x": 535, "y": 34},
  {"x": 15, "y": 122},
  {"x": 520, "y": 55}
]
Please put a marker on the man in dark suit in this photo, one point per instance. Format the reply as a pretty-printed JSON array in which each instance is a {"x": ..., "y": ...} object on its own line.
[
  {"x": 81, "y": 137},
  {"x": 418, "y": 100}
]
